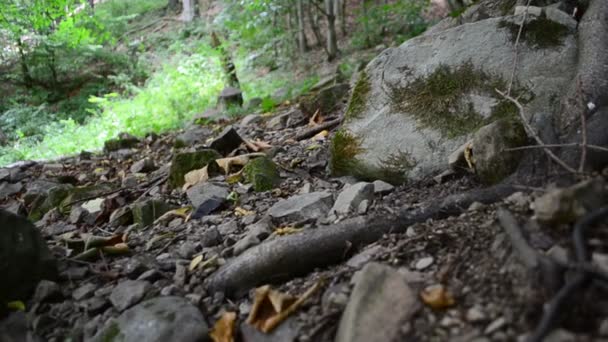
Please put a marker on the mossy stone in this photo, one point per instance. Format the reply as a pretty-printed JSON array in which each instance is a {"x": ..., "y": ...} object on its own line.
[
  {"x": 123, "y": 141},
  {"x": 262, "y": 173},
  {"x": 344, "y": 149},
  {"x": 325, "y": 101},
  {"x": 358, "y": 99},
  {"x": 147, "y": 211},
  {"x": 185, "y": 162},
  {"x": 45, "y": 202},
  {"x": 79, "y": 193},
  {"x": 540, "y": 33}
]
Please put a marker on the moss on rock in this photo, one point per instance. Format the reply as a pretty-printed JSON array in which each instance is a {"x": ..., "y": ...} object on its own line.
[
  {"x": 540, "y": 33},
  {"x": 185, "y": 162},
  {"x": 262, "y": 173},
  {"x": 358, "y": 98},
  {"x": 440, "y": 100},
  {"x": 344, "y": 149}
]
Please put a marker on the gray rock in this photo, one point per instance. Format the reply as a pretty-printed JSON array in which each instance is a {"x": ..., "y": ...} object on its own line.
[
  {"x": 4, "y": 174},
  {"x": 532, "y": 10},
  {"x": 93, "y": 206},
  {"x": 193, "y": 136},
  {"x": 143, "y": 166},
  {"x": 302, "y": 207},
  {"x": 228, "y": 228},
  {"x": 157, "y": 320},
  {"x": 251, "y": 119},
  {"x": 564, "y": 205},
  {"x": 128, "y": 293},
  {"x": 229, "y": 97},
  {"x": 78, "y": 215},
  {"x": 9, "y": 189},
  {"x": 261, "y": 229},
  {"x": 29, "y": 258},
  {"x": 382, "y": 187},
  {"x": 350, "y": 197},
  {"x": 386, "y": 107},
  {"x": 381, "y": 302},
  {"x": 85, "y": 291},
  {"x": 227, "y": 141},
  {"x": 424, "y": 263},
  {"x": 254, "y": 103},
  {"x": 211, "y": 237},
  {"x": 201, "y": 192},
  {"x": 363, "y": 257},
  {"x": 124, "y": 141},
  {"x": 493, "y": 162},
  {"x": 325, "y": 101},
  {"x": 122, "y": 216},
  {"x": 559, "y": 16},
  {"x": 184, "y": 162},
  {"x": 148, "y": 210},
  {"x": 287, "y": 331},
  {"x": 47, "y": 291}
]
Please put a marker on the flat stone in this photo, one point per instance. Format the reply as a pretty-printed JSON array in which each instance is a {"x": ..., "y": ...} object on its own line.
[
  {"x": 201, "y": 192},
  {"x": 349, "y": 198},
  {"x": 193, "y": 136},
  {"x": 381, "y": 302},
  {"x": 228, "y": 228},
  {"x": 147, "y": 211},
  {"x": 122, "y": 216},
  {"x": 211, "y": 237},
  {"x": 8, "y": 189},
  {"x": 227, "y": 141},
  {"x": 93, "y": 206},
  {"x": 85, "y": 291},
  {"x": 251, "y": 119},
  {"x": 47, "y": 291},
  {"x": 302, "y": 207},
  {"x": 245, "y": 243},
  {"x": 560, "y": 17},
  {"x": 424, "y": 263},
  {"x": 128, "y": 293},
  {"x": 159, "y": 319},
  {"x": 143, "y": 166},
  {"x": 533, "y": 11},
  {"x": 382, "y": 187},
  {"x": 360, "y": 259}
]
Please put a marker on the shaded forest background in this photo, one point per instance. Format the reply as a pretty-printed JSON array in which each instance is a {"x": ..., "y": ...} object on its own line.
[{"x": 76, "y": 73}]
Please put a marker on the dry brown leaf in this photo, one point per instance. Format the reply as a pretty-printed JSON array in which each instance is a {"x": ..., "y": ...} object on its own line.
[
  {"x": 119, "y": 248},
  {"x": 195, "y": 176},
  {"x": 182, "y": 212},
  {"x": 437, "y": 297},
  {"x": 468, "y": 156},
  {"x": 227, "y": 163},
  {"x": 315, "y": 119},
  {"x": 271, "y": 307},
  {"x": 223, "y": 330}
]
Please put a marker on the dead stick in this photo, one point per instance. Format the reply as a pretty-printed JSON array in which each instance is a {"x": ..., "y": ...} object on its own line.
[
  {"x": 531, "y": 132},
  {"x": 515, "y": 58},
  {"x": 313, "y": 131},
  {"x": 583, "y": 114},
  {"x": 591, "y": 147}
]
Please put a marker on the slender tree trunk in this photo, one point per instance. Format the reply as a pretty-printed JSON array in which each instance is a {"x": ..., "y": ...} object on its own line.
[
  {"x": 314, "y": 23},
  {"x": 302, "y": 43},
  {"x": 189, "y": 10},
  {"x": 339, "y": 8},
  {"x": 332, "y": 39},
  {"x": 226, "y": 60},
  {"x": 174, "y": 6},
  {"x": 25, "y": 70},
  {"x": 366, "y": 32}
]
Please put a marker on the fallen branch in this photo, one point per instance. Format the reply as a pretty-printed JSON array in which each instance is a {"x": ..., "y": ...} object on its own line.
[
  {"x": 311, "y": 132},
  {"x": 533, "y": 134},
  {"x": 591, "y": 147},
  {"x": 286, "y": 257},
  {"x": 516, "y": 56}
]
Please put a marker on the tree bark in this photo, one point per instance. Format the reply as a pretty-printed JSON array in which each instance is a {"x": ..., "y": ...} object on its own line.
[
  {"x": 226, "y": 60},
  {"x": 314, "y": 23},
  {"x": 302, "y": 42},
  {"x": 332, "y": 39},
  {"x": 189, "y": 10}
]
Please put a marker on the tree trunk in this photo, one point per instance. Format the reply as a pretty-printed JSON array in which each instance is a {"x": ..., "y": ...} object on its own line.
[
  {"x": 339, "y": 8},
  {"x": 226, "y": 60},
  {"x": 302, "y": 42},
  {"x": 25, "y": 70},
  {"x": 189, "y": 10},
  {"x": 174, "y": 6},
  {"x": 332, "y": 39},
  {"x": 314, "y": 23},
  {"x": 366, "y": 33}
]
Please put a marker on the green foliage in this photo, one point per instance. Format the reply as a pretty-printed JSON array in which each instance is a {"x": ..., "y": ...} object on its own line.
[
  {"x": 344, "y": 149},
  {"x": 400, "y": 20}
]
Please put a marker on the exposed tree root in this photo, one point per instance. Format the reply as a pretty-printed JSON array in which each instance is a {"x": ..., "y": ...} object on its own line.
[{"x": 294, "y": 255}]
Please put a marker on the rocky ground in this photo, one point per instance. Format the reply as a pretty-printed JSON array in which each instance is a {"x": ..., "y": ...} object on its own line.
[{"x": 139, "y": 253}]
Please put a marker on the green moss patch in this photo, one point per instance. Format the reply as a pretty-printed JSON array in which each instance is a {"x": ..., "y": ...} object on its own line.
[
  {"x": 395, "y": 168},
  {"x": 358, "y": 98},
  {"x": 438, "y": 101},
  {"x": 344, "y": 150},
  {"x": 262, "y": 173},
  {"x": 540, "y": 33}
]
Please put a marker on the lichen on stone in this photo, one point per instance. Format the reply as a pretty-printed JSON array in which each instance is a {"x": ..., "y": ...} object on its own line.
[
  {"x": 262, "y": 173},
  {"x": 540, "y": 33},
  {"x": 358, "y": 98},
  {"x": 344, "y": 149}
]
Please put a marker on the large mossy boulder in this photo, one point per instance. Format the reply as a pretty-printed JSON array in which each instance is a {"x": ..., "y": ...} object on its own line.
[
  {"x": 24, "y": 258},
  {"x": 262, "y": 173},
  {"x": 185, "y": 162},
  {"x": 415, "y": 104}
]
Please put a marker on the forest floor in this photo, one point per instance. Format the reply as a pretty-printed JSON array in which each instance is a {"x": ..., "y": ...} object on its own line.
[{"x": 463, "y": 280}]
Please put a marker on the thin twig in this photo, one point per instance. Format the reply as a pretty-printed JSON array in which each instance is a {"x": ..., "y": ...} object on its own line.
[
  {"x": 534, "y": 135},
  {"x": 583, "y": 114},
  {"x": 521, "y": 29},
  {"x": 319, "y": 128},
  {"x": 591, "y": 147}
]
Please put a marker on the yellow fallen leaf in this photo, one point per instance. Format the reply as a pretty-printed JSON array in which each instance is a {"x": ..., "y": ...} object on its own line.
[
  {"x": 223, "y": 330},
  {"x": 117, "y": 249},
  {"x": 16, "y": 305},
  {"x": 182, "y": 212},
  {"x": 468, "y": 156},
  {"x": 238, "y": 211},
  {"x": 313, "y": 147},
  {"x": 194, "y": 177},
  {"x": 437, "y": 297},
  {"x": 320, "y": 136},
  {"x": 195, "y": 262},
  {"x": 287, "y": 230}
]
